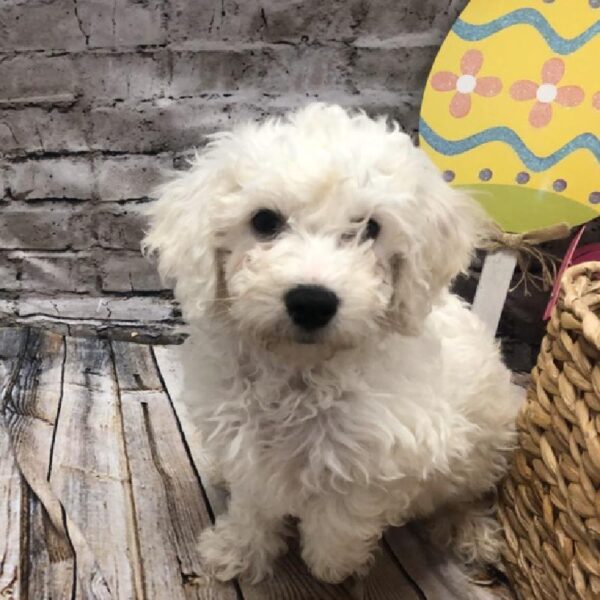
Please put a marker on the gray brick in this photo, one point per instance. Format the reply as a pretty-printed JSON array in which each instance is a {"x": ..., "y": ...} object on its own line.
[
  {"x": 40, "y": 25},
  {"x": 193, "y": 23},
  {"x": 50, "y": 274},
  {"x": 9, "y": 273},
  {"x": 120, "y": 228},
  {"x": 129, "y": 177},
  {"x": 383, "y": 19},
  {"x": 37, "y": 78},
  {"x": 77, "y": 264},
  {"x": 183, "y": 124},
  {"x": 128, "y": 272},
  {"x": 283, "y": 69},
  {"x": 312, "y": 20},
  {"x": 5, "y": 173},
  {"x": 51, "y": 178},
  {"x": 110, "y": 308},
  {"x": 128, "y": 76},
  {"x": 35, "y": 130},
  {"x": 403, "y": 108},
  {"x": 8, "y": 308},
  {"x": 60, "y": 100},
  {"x": 44, "y": 228},
  {"x": 111, "y": 23},
  {"x": 398, "y": 69},
  {"x": 165, "y": 124}
]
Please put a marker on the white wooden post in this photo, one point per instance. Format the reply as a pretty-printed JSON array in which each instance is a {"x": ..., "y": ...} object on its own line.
[{"x": 494, "y": 283}]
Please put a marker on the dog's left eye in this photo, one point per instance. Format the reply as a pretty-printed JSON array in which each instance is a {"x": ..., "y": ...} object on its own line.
[
  {"x": 368, "y": 231},
  {"x": 267, "y": 223},
  {"x": 372, "y": 230}
]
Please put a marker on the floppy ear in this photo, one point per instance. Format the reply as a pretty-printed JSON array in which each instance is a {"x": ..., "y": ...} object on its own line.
[
  {"x": 456, "y": 225},
  {"x": 446, "y": 227},
  {"x": 181, "y": 237}
]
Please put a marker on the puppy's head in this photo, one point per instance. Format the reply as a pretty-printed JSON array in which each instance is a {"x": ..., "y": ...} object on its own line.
[{"x": 325, "y": 228}]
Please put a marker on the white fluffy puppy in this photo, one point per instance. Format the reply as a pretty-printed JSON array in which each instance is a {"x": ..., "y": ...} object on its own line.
[{"x": 330, "y": 373}]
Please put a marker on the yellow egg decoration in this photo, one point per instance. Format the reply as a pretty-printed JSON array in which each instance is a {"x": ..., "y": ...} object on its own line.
[{"x": 511, "y": 110}]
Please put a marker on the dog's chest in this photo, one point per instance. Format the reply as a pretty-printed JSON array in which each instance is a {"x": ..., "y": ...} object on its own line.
[{"x": 312, "y": 434}]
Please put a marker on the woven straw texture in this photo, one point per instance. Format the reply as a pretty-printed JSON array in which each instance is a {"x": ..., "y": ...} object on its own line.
[{"x": 550, "y": 502}]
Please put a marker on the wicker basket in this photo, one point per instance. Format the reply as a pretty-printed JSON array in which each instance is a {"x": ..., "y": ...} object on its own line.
[{"x": 550, "y": 502}]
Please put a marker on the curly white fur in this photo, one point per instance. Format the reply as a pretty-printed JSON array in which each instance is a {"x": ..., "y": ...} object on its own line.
[{"x": 401, "y": 405}]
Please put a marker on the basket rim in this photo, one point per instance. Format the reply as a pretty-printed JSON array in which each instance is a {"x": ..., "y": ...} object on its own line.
[{"x": 573, "y": 293}]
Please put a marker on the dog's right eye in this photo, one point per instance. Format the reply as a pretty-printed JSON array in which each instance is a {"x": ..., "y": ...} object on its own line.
[{"x": 267, "y": 223}]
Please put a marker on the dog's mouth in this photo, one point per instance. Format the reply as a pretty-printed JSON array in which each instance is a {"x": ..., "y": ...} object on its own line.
[
  {"x": 291, "y": 336},
  {"x": 306, "y": 338}
]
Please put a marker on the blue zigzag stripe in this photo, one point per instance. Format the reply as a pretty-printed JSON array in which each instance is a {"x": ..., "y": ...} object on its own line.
[
  {"x": 584, "y": 141},
  {"x": 526, "y": 16}
]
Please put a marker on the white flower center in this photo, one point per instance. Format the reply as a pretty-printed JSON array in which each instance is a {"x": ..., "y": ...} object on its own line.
[
  {"x": 466, "y": 84},
  {"x": 546, "y": 93}
]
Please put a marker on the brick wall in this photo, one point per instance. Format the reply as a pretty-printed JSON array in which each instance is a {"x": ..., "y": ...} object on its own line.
[{"x": 97, "y": 96}]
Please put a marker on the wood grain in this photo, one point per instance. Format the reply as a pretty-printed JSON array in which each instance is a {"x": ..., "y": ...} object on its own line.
[
  {"x": 135, "y": 367},
  {"x": 89, "y": 468},
  {"x": 12, "y": 522},
  {"x": 31, "y": 413},
  {"x": 51, "y": 572},
  {"x": 12, "y": 347},
  {"x": 170, "y": 506},
  {"x": 388, "y": 581},
  {"x": 13, "y": 517},
  {"x": 439, "y": 576},
  {"x": 292, "y": 580},
  {"x": 169, "y": 365},
  {"x": 109, "y": 504},
  {"x": 31, "y": 406}
]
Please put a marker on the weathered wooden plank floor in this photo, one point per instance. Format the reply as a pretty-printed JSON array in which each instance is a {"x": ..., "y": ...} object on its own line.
[{"x": 100, "y": 494}]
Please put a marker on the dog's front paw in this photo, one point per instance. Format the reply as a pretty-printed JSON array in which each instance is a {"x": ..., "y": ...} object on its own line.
[
  {"x": 335, "y": 569},
  {"x": 329, "y": 573},
  {"x": 219, "y": 558},
  {"x": 227, "y": 553},
  {"x": 332, "y": 572},
  {"x": 471, "y": 530}
]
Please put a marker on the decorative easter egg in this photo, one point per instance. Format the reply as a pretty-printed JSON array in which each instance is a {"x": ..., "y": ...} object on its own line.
[{"x": 511, "y": 110}]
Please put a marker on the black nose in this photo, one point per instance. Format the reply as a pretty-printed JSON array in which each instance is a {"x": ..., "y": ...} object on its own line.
[{"x": 311, "y": 306}]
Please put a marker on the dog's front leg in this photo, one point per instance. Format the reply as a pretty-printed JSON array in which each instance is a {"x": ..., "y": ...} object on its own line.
[
  {"x": 338, "y": 542},
  {"x": 470, "y": 529},
  {"x": 243, "y": 542}
]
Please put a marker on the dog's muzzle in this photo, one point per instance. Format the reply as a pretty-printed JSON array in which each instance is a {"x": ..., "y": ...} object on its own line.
[{"x": 311, "y": 307}]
